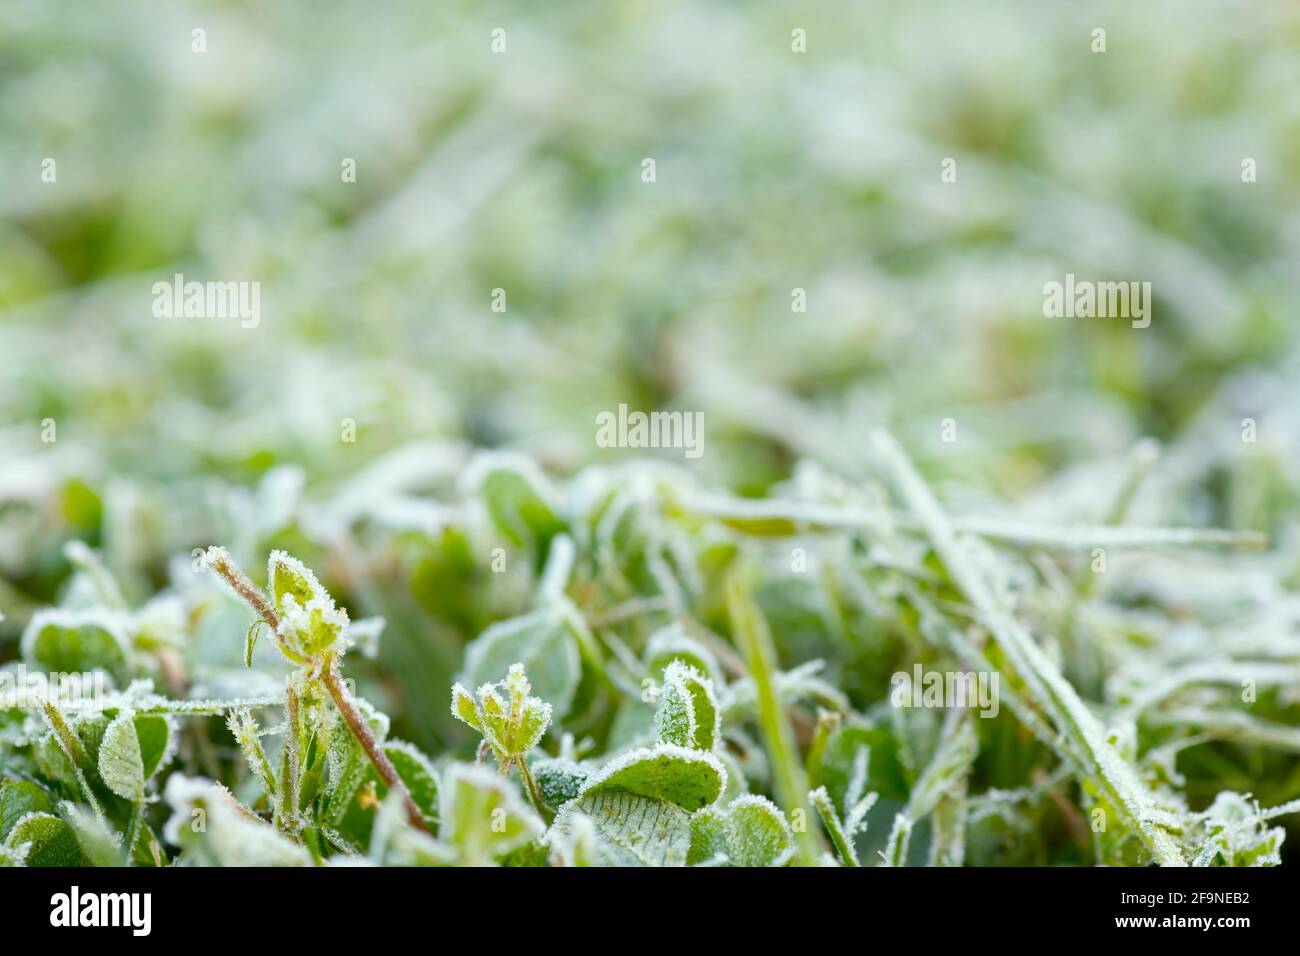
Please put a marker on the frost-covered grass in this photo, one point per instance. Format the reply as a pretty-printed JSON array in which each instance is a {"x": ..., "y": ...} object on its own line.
[
  {"x": 637, "y": 703},
  {"x": 362, "y": 587}
]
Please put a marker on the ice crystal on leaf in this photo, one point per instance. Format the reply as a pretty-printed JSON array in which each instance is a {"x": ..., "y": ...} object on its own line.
[
  {"x": 42, "y": 839},
  {"x": 513, "y": 725},
  {"x": 576, "y": 843},
  {"x": 686, "y": 778},
  {"x": 121, "y": 765},
  {"x": 749, "y": 831},
  {"x": 559, "y": 780},
  {"x": 309, "y": 620},
  {"x": 688, "y": 711},
  {"x": 1233, "y": 832}
]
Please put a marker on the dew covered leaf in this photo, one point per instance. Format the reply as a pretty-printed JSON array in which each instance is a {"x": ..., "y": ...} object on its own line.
[
  {"x": 750, "y": 831},
  {"x": 287, "y": 576},
  {"x": 154, "y": 734},
  {"x": 513, "y": 725},
  {"x": 419, "y": 776},
  {"x": 121, "y": 764},
  {"x": 19, "y": 798},
  {"x": 688, "y": 779},
  {"x": 633, "y": 829},
  {"x": 1234, "y": 833},
  {"x": 675, "y": 718},
  {"x": 50, "y": 841},
  {"x": 688, "y": 712},
  {"x": 464, "y": 708},
  {"x": 559, "y": 780}
]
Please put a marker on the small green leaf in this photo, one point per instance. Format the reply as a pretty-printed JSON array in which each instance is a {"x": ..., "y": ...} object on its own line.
[
  {"x": 689, "y": 779},
  {"x": 641, "y": 802},
  {"x": 250, "y": 640},
  {"x": 419, "y": 776},
  {"x": 286, "y": 575},
  {"x": 675, "y": 720},
  {"x": 121, "y": 763},
  {"x": 751, "y": 831},
  {"x": 51, "y": 841},
  {"x": 688, "y": 711},
  {"x": 19, "y": 798},
  {"x": 534, "y": 718},
  {"x": 348, "y": 763},
  {"x": 757, "y": 832},
  {"x": 356, "y": 818},
  {"x": 708, "y": 837},
  {"x": 559, "y": 780},
  {"x": 463, "y": 707},
  {"x": 154, "y": 734}
]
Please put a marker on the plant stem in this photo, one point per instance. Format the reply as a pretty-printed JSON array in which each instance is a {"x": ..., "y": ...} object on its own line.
[
  {"x": 534, "y": 794},
  {"x": 71, "y": 745},
  {"x": 233, "y": 803},
  {"x": 361, "y": 730},
  {"x": 67, "y": 738},
  {"x": 900, "y": 837},
  {"x": 253, "y": 597},
  {"x": 244, "y": 729},
  {"x": 750, "y": 632},
  {"x": 133, "y": 830},
  {"x": 842, "y": 841},
  {"x": 246, "y": 589},
  {"x": 291, "y": 798},
  {"x": 827, "y": 721}
]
